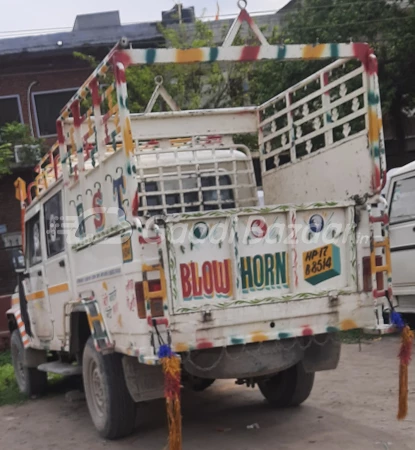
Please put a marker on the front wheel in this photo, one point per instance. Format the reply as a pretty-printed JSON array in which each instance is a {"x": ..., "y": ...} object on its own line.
[
  {"x": 31, "y": 382},
  {"x": 291, "y": 387},
  {"x": 110, "y": 404}
]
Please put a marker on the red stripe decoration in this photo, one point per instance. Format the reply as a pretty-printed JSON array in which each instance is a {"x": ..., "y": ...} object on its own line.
[
  {"x": 123, "y": 58},
  {"x": 76, "y": 113},
  {"x": 250, "y": 53},
  {"x": 96, "y": 99},
  {"x": 59, "y": 130},
  {"x": 119, "y": 75},
  {"x": 22, "y": 329},
  {"x": 245, "y": 17},
  {"x": 365, "y": 54}
]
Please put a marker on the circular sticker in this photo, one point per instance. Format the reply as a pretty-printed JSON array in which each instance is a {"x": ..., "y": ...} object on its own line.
[
  {"x": 258, "y": 228},
  {"x": 200, "y": 230},
  {"x": 316, "y": 223}
]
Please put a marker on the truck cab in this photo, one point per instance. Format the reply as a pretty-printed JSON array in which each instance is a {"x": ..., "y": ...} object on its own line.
[{"x": 399, "y": 193}]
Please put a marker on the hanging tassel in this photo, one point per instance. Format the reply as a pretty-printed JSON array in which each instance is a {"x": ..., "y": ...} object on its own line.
[
  {"x": 407, "y": 337},
  {"x": 171, "y": 369}
]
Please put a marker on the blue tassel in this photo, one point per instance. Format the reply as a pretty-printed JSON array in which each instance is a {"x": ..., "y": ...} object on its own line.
[
  {"x": 165, "y": 351},
  {"x": 397, "y": 320}
]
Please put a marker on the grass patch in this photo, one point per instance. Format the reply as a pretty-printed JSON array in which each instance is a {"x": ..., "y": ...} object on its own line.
[
  {"x": 354, "y": 336},
  {"x": 9, "y": 391}
]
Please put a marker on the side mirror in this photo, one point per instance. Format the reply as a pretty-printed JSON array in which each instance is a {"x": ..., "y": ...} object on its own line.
[{"x": 18, "y": 261}]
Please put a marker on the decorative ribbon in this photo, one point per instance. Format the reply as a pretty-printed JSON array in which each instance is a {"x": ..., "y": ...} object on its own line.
[
  {"x": 407, "y": 337},
  {"x": 171, "y": 369}
]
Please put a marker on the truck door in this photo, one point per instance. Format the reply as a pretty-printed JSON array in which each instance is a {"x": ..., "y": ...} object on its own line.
[
  {"x": 34, "y": 286},
  {"x": 402, "y": 233},
  {"x": 57, "y": 276}
]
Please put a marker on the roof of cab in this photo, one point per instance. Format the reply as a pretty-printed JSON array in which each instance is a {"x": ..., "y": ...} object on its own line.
[{"x": 397, "y": 171}]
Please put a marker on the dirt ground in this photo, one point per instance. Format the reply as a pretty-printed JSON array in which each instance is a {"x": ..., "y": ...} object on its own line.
[{"x": 351, "y": 408}]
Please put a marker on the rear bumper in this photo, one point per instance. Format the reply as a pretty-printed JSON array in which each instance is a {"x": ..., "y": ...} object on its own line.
[
  {"x": 270, "y": 322},
  {"x": 406, "y": 304},
  {"x": 263, "y": 359}
]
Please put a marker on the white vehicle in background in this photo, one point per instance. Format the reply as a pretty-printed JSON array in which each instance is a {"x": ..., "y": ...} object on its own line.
[
  {"x": 164, "y": 240},
  {"x": 400, "y": 195}
]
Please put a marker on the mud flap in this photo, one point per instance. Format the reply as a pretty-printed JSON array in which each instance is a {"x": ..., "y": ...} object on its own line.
[
  {"x": 144, "y": 382},
  {"x": 323, "y": 353},
  {"x": 23, "y": 306}
]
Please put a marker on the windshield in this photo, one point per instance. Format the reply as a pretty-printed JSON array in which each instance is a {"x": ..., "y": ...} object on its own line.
[{"x": 403, "y": 200}]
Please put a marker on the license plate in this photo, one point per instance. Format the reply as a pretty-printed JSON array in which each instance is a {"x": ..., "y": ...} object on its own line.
[{"x": 321, "y": 264}]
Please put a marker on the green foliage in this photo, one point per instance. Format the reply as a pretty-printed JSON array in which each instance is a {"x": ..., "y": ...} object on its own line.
[
  {"x": 386, "y": 25},
  {"x": 9, "y": 391},
  {"x": 13, "y": 134},
  {"x": 6, "y": 156},
  {"x": 91, "y": 60}
]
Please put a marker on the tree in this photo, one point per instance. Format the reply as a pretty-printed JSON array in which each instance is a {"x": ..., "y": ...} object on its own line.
[
  {"x": 31, "y": 149},
  {"x": 192, "y": 86},
  {"x": 386, "y": 25}
]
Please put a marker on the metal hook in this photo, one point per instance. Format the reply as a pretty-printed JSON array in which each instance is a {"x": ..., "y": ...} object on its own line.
[
  {"x": 158, "y": 80},
  {"x": 242, "y": 4},
  {"x": 79, "y": 195},
  {"x": 99, "y": 185},
  {"x": 108, "y": 175},
  {"x": 126, "y": 200},
  {"x": 88, "y": 190},
  {"x": 72, "y": 201},
  {"x": 122, "y": 170}
]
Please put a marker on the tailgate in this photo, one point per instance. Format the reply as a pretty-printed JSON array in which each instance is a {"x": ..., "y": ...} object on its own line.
[{"x": 260, "y": 255}]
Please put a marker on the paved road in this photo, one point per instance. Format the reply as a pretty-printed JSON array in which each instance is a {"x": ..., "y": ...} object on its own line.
[{"x": 352, "y": 408}]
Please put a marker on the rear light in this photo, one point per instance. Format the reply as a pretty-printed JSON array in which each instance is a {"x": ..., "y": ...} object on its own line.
[
  {"x": 156, "y": 304},
  {"x": 367, "y": 274},
  {"x": 141, "y": 304}
]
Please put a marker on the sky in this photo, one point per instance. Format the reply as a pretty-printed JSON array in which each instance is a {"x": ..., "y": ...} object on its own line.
[{"x": 17, "y": 15}]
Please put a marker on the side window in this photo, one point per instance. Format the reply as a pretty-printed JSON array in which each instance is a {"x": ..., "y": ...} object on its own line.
[
  {"x": 34, "y": 249},
  {"x": 55, "y": 239},
  {"x": 403, "y": 201}
]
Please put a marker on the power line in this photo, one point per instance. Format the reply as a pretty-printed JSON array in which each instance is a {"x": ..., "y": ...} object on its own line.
[{"x": 222, "y": 16}]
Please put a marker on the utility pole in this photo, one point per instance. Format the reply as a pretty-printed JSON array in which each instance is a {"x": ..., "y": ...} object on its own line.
[{"x": 179, "y": 5}]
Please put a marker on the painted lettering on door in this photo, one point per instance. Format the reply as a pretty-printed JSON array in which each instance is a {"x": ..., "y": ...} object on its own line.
[
  {"x": 267, "y": 271},
  {"x": 207, "y": 280}
]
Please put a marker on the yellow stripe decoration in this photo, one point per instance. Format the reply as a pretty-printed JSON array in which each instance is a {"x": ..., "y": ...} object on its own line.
[
  {"x": 128, "y": 137},
  {"x": 373, "y": 126},
  {"x": 189, "y": 55},
  {"x": 58, "y": 288},
  {"x": 35, "y": 296},
  {"x": 313, "y": 51}
]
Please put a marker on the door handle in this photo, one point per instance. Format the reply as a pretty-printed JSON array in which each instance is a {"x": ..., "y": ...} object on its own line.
[
  {"x": 39, "y": 273},
  {"x": 62, "y": 263}
]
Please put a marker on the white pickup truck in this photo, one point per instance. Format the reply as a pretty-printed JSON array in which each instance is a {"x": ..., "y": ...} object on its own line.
[{"x": 143, "y": 229}]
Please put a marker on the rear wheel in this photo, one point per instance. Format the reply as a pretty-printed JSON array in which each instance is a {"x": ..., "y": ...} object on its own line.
[
  {"x": 110, "y": 405},
  {"x": 30, "y": 380},
  {"x": 291, "y": 387}
]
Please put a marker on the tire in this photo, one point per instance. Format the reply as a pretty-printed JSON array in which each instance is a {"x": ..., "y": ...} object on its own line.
[
  {"x": 31, "y": 382},
  {"x": 291, "y": 387},
  {"x": 110, "y": 404}
]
